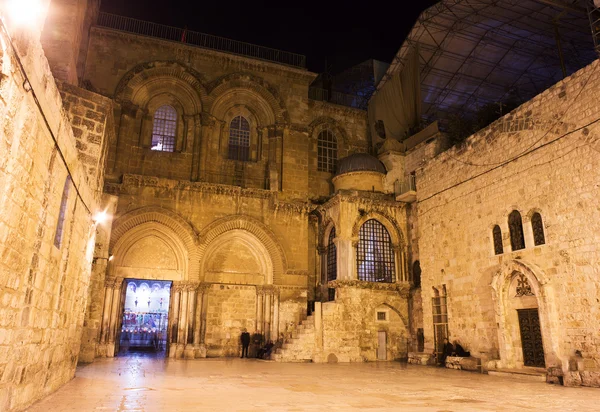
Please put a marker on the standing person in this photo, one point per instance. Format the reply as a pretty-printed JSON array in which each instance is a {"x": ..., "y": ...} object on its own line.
[
  {"x": 245, "y": 338},
  {"x": 448, "y": 351}
]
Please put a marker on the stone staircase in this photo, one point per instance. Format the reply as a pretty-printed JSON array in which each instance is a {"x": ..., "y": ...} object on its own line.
[{"x": 300, "y": 346}]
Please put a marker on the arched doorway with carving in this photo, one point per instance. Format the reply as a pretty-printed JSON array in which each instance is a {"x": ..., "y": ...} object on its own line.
[
  {"x": 523, "y": 304},
  {"x": 148, "y": 290},
  {"x": 241, "y": 263}
]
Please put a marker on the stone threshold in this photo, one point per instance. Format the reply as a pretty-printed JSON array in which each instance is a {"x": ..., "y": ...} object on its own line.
[{"x": 531, "y": 374}]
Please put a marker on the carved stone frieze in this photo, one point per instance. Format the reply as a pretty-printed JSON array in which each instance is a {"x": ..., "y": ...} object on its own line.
[{"x": 402, "y": 288}]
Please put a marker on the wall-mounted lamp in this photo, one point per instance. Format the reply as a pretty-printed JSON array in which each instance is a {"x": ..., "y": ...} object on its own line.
[
  {"x": 24, "y": 12},
  {"x": 108, "y": 259},
  {"x": 100, "y": 217}
]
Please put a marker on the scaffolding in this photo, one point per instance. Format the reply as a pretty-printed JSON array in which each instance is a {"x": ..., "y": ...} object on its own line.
[{"x": 478, "y": 52}]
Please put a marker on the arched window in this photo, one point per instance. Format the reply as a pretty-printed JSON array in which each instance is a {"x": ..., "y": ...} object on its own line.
[
  {"x": 497, "y": 235},
  {"x": 164, "y": 129},
  {"x": 331, "y": 257},
  {"x": 326, "y": 152},
  {"x": 416, "y": 274},
  {"x": 239, "y": 139},
  {"x": 374, "y": 254},
  {"x": 515, "y": 225},
  {"x": 538, "y": 229},
  {"x": 62, "y": 213}
]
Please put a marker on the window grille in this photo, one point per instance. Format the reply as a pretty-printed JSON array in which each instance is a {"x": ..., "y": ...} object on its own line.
[
  {"x": 538, "y": 229},
  {"x": 326, "y": 152},
  {"x": 497, "y": 235},
  {"x": 375, "y": 255},
  {"x": 381, "y": 316},
  {"x": 164, "y": 129},
  {"x": 331, "y": 257},
  {"x": 239, "y": 139},
  {"x": 515, "y": 225},
  {"x": 62, "y": 214}
]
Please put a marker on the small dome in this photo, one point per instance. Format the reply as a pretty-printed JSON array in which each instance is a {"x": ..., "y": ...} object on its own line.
[{"x": 360, "y": 162}]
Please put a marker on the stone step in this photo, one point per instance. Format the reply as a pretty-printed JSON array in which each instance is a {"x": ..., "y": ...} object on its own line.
[{"x": 530, "y": 374}]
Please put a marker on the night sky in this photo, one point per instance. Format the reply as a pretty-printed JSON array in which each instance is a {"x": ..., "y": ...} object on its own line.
[{"x": 338, "y": 32}]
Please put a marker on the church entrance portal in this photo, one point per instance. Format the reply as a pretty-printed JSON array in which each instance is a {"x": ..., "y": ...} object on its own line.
[
  {"x": 145, "y": 318},
  {"x": 531, "y": 338}
]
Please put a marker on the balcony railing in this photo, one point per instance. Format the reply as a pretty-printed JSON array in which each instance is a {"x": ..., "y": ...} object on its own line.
[
  {"x": 193, "y": 38},
  {"x": 406, "y": 191},
  {"x": 343, "y": 99}
]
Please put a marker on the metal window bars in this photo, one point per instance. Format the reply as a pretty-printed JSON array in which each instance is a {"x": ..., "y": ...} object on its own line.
[
  {"x": 374, "y": 253},
  {"x": 326, "y": 152}
]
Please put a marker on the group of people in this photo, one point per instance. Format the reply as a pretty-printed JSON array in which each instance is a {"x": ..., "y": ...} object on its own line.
[
  {"x": 452, "y": 350},
  {"x": 263, "y": 352}
]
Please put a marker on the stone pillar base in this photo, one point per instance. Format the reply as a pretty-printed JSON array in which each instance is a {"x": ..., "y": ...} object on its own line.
[
  {"x": 105, "y": 350},
  {"x": 189, "y": 352},
  {"x": 200, "y": 351},
  {"x": 172, "y": 350},
  {"x": 179, "y": 351}
]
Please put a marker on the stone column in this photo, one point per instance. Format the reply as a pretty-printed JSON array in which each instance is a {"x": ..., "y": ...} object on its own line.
[
  {"x": 275, "y": 133},
  {"x": 200, "y": 320},
  {"x": 267, "y": 322},
  {"x": 260, "y": 293},
  {"x": 174, "y": 321},
  {"x": 196, "y": 146},
  {"x": 322, "y": 264},
  {"x": 203, "y": 312},
  {"x": 189, "y": 346},
  {"x": 345, "y": 258},
  {"x": 400, "y": 261},
  {"x": 108, "y": 294},
  {"x": 114, "y": 316},
  {"x": 275, "y": 318}
]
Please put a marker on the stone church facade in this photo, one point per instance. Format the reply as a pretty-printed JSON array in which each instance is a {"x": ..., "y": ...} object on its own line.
[{"x": 267, "y": 211}]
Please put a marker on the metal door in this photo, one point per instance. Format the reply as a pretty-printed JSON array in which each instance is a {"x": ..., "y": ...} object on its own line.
[
  {"x": 531, "y": 338},
  {"x": 381, "y": 345}
]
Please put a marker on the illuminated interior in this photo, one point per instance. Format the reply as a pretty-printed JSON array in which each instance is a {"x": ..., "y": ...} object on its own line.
[{"x": 145, "y": 315}]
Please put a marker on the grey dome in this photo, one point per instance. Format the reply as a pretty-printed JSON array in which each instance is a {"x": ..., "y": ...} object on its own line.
[{"x": 360, "y": 162}]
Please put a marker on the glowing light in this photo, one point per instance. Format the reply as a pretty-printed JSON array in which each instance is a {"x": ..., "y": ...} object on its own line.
[
  {"x": 101, "y": 217},
  {"x": 91, "y": 245},
  {"x": 24, "y": 12},
  {"x": 110, "y": 258}
]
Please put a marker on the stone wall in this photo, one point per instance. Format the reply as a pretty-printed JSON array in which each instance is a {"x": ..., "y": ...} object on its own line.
[
  {"x": 208, "y": 89},
  {"x": 231, "y": 309},
  {"x": 351, "y": 327},
  {"x": 44, "y": 281},
  {"x": 91, "y": 116},
  {"x": 250, "y": 245},
  {"x": 543, "y": 157}
]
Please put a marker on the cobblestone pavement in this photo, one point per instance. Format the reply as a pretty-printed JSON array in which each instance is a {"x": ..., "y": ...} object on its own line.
[{"x": 141, "y": 383}]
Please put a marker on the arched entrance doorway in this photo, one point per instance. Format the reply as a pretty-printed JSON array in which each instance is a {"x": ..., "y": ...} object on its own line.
[
  {"x": 241, "y": 297},
  {"x": 143, "y": 287},
  {"x": 145, "y": 319},
  {"x": 523, "y": 314}
]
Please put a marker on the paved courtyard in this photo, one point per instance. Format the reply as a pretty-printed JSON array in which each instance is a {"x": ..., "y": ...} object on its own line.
[{"x": 146, "y": 384}]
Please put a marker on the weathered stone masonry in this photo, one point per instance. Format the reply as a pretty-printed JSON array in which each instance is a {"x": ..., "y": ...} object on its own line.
[{"x": 543, "y": 157}]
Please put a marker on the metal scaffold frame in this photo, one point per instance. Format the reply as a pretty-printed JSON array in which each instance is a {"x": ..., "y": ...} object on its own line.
[{"x": 476, "y": 52}]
